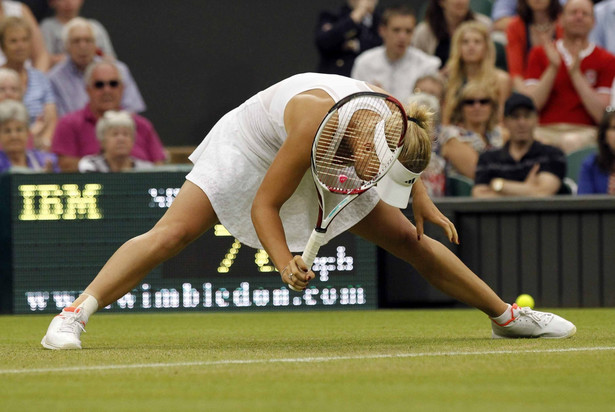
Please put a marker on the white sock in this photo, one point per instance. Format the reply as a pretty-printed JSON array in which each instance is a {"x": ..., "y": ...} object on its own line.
[
  {"x": 88, "y": 306},
  {"x": 504, "y": 317}
]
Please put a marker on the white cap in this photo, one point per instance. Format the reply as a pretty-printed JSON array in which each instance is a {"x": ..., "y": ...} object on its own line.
[{"x": 396, "y": 186}]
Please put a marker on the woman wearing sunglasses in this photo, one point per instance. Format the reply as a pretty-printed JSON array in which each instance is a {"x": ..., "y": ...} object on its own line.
[{"x": 474, "y": 128}]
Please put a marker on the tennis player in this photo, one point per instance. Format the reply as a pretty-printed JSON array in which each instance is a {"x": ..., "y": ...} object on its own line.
[{"x": 251, "y": 173}]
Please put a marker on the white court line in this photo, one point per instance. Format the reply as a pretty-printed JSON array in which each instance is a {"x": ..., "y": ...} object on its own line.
[{"x": 295, "y": 360}]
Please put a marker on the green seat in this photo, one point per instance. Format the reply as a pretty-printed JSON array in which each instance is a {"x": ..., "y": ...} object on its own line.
[
  {"x": 420, "y": 12},
  {"x": 458, "y": 185},
  {"x": 482, "y": 7},
  {"x": 500, "y": 56},
  {"x": 575, "y": 159}
]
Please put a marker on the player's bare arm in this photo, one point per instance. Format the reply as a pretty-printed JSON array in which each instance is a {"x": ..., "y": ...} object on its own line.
[
  {"x": 302, "y": 117},
  {"x": 424, "y": 209}
]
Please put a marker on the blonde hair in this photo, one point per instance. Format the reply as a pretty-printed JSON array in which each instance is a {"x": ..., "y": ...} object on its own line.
[
  {"x": 11, "y": 22},
  {"x": 416, "y": 151},
  {"x": 428, "y": 100},
  {"x": 473, "y": 89},
  {"x": 457, "y": 68}
]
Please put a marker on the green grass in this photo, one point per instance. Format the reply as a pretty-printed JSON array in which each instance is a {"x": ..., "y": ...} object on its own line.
[{"x": 439, "y": 376}]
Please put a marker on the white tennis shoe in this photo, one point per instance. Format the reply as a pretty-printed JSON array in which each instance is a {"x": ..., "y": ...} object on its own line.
[
  {"x": 528, "y": 323},
  {"x": 65, "y": 330}
]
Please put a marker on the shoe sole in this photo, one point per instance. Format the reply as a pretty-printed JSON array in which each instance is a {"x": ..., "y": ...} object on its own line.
[
  {"x": 569, "y": 335},
  {"x": 47, "y": 345}
]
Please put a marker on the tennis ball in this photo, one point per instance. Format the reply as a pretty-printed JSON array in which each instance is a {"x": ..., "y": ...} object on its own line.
[{"x": 525, "y": 300}]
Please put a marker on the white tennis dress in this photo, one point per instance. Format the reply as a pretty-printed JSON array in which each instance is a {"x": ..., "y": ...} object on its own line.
[{"x": 230, "y": 163}]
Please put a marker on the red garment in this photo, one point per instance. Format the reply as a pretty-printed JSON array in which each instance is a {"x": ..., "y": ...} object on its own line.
[
  {"x": 75, "y": 135},
  {"x": 564, "y": 105},
  {"x": 517, "y": 50}
]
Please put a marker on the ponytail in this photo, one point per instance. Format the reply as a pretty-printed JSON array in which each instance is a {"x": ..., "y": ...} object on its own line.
[{"x": 416, "y": 152}]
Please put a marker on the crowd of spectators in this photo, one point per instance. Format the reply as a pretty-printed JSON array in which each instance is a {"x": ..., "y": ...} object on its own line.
[
  {"x": 66, "y": 102},
  {"x": 527, "y": 86},
  {"x": 65, "y": 75}
]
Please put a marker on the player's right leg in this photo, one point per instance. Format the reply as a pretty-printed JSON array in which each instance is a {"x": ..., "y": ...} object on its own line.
[
  {"x": 190, "y": 215},
  {"x": 388, "y": 228}
]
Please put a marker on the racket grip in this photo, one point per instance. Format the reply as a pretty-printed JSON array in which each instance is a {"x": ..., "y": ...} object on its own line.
[{"x": 311, "y": 249}]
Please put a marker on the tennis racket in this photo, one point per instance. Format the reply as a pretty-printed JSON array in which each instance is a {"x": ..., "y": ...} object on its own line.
[{"x": 356, "y": 144}]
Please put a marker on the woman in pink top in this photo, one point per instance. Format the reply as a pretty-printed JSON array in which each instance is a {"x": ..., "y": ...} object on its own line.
[{"x": 535, "y": 24}]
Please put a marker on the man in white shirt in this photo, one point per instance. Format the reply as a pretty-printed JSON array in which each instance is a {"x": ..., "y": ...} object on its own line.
[
  {"x": 395, "y": 66},
  {"x": 603, "y": 33}
]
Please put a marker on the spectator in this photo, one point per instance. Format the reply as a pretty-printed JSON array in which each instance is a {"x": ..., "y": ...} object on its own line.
[
  {"x": 570, "y": 81},
  {"x": 603, "y": 33},
  {"x": 434, "y": 175},
  {"x": 597, "y": 173},
  {"x": 116, "y": 133},
  {"x": 523, "y": 167},
  {"x": 65, "y": 11},
  {"x": 442, "y": 17},
  {"x": 343, "y": 35},
  {"x": 504, "y": 11},
  {"x": 67, "y": 76},
  {"x": 473, "y": 128},
  {"x": 16, "y": 43},
  {"x": 535, "y": 25},
  {"x": 433, "y": 84},
  {"x": 395, "y": 66},
  {"x": 14, "y": 141},
  {"x": 39, "y": 54},
  {"x": 10, "y": 85},
  {"x": 75, "y": 134},
  {"x": 473, "y": 58}
]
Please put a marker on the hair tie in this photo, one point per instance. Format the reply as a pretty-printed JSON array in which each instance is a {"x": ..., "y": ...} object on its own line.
[{"x": 414, "y": 119}]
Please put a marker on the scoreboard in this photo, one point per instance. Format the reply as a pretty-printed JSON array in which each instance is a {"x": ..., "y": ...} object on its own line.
[{"x": 58, "y": 230}]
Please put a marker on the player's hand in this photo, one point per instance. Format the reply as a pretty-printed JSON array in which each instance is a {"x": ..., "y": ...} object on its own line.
[
  {"x": 296, "y": 274},
  {"x": 425, "y": 210}
]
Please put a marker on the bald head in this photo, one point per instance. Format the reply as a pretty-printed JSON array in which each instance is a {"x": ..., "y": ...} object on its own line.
[{"x": 578, "y": 18}]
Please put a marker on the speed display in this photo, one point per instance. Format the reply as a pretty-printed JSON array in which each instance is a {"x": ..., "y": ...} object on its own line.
[{"x": 57, "y": 231}]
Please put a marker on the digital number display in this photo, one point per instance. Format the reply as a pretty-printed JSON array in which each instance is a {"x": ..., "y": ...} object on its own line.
[{"x": 61, "y": 230}]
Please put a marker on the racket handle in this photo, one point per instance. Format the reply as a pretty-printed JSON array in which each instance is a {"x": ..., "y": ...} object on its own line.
[{"x": 311, "y": 249}]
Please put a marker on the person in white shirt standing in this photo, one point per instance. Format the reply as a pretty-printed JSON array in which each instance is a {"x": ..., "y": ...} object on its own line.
[{"x": 395, "y": 66}]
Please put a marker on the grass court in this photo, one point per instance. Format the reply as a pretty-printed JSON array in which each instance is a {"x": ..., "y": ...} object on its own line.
[{"x": 385, "y": 360}]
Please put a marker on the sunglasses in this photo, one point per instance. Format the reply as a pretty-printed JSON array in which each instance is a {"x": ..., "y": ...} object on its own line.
[
  {"x": 111, "y": 83},
  {"x": 472, "y": 102}
]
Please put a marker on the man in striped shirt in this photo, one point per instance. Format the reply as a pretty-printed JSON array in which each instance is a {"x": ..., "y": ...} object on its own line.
[{"x": 66, "y": 77}]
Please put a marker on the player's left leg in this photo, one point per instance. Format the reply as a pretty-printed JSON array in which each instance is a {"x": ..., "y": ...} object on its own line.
[{"x": 388, "y": 228}]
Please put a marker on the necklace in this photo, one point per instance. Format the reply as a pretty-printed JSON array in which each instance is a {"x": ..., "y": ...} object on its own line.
[{"x": 543, "y": 27}]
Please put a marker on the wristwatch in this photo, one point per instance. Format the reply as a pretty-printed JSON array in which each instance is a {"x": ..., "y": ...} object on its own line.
[{"x": 497, "y": 184}]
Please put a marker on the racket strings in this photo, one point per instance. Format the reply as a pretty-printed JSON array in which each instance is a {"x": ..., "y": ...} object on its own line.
[{"x": 356, "y": 146}]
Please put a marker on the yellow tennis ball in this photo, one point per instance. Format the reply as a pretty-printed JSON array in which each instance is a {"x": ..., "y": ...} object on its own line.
[{"x": 525, "y": 300}]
